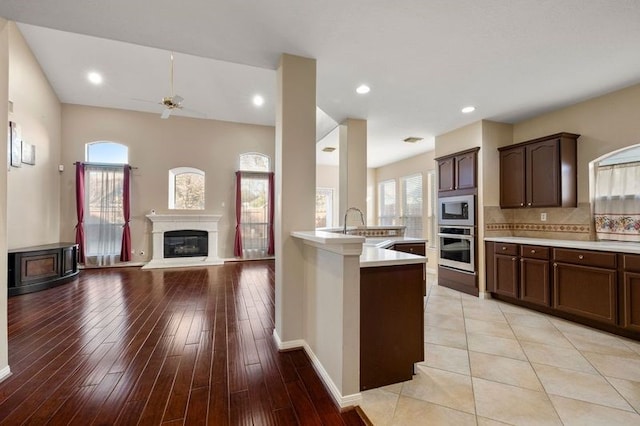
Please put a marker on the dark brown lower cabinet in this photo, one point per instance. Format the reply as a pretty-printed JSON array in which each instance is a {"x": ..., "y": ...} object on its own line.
[
  {"x": 534, "y": 275},
  {"x": 586, "y": 291},
  {"x": 391, "y": 324},
  {"x": 506, "y": 270},
  {"x": 631, "y": 301}
]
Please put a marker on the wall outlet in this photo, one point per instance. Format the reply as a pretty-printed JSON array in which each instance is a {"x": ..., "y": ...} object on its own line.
[{"x": 543, "y": 217}]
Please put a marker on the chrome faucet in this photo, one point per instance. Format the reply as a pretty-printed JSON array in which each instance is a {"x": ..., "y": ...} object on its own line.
[{"x": 344, "y": 230}]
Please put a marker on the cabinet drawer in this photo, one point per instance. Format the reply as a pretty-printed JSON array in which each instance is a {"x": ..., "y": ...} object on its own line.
[
  {"x": 414, "y": 248},
  {"x": 583, "y": 257},
  {"x": 631, "y": 262},
  {"x": 506, "y": 248},
  {"x": 534, "y": 252}
]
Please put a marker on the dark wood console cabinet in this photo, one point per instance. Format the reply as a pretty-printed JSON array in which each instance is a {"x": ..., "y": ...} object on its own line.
[
  {"x": 40, "y": 267},
  {"x": 540, "y": 172}
]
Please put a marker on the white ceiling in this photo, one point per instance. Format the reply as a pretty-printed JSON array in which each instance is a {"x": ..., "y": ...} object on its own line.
[{"x": 424, "y": 59}]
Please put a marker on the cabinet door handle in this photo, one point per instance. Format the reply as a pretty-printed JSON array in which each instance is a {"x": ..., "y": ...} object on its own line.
[
  {"x": 533, "y": 252},
  {"x": 580, "y": 257},
  {"x": 555, "y": 265},
  {"x": 529, "y": 204},
  {"x": 521, "y": 204},
  {"x": 504, "y": 248},
  {"x": 513, "y": 259}
]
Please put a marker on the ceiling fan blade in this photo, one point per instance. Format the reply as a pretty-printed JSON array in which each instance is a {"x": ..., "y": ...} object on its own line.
[
  {"x": 177, "y": 99},
  {"x": 166, "y": 113}
]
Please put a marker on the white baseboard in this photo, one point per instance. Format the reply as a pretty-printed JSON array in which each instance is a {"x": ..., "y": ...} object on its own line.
[
  {"x": 4, "y": 373},
  {"x": 290, "y": 344},
  {"x": 340, "y": 400}
]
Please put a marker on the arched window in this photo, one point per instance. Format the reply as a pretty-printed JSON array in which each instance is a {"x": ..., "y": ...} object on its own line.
[
  {"x": 254, "y": 162},
  {"x": 186, "y": 189},
  {"x": 616, "y": 195},
  {"x": 106, "y": 152}
]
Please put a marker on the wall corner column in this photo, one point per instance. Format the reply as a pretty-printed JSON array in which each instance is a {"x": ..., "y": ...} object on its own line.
[
  {"x": 353, "y": 166},
  {"x": 295, "y": 191},
  {"x": 4, "y": 116}
]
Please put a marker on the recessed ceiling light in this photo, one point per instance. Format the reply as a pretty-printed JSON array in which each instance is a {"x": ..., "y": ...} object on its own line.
[
  {"x": 468, "y": 109},
  {"x": 412, "y": 139},
  {"x": 328, "y": 149},
  {"x": 94, "y": 78},
  {"x": 362, "y": 89},
  {"x": 258, "y": 100}
]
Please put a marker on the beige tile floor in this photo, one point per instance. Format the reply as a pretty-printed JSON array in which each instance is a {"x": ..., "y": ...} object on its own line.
[{"x": 491, "y": 363}]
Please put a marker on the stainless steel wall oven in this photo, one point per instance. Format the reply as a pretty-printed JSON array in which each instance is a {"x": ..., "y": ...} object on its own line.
[{"x": 457, "y": 247}]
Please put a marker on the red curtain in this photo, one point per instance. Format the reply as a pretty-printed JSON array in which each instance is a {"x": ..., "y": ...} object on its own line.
[
  {"x": 237, "y": 247},
  {"x": 272, "y": 201},
  {"x": 125, "y": 251},
  {"x": 80, "y": 210}
]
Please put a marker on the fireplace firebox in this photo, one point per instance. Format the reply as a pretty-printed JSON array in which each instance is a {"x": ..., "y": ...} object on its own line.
[{"x": 186, "y": 243}]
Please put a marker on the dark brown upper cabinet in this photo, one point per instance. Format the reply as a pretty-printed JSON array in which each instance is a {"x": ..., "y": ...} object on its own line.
[
  {"x": 540, "y": 172},
  {"x": 457, "y": 172}
]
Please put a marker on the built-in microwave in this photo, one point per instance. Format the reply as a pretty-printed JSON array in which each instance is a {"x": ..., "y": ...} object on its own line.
[{"x": 458, "y": 210}]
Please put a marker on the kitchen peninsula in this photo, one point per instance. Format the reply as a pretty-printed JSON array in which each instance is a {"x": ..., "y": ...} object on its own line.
[{"x": 363, "y": 310}]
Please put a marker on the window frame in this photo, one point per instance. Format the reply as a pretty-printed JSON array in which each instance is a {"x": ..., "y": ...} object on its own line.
[{"x": 173, "y": 174}]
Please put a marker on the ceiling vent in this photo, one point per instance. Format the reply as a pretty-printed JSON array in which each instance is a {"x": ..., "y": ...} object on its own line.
[
  {"x": 412, "y": 139},
  {"x": 328, "y": 149}
]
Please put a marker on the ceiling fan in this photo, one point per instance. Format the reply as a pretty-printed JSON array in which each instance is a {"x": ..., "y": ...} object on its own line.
[{"x": 171, "y": 102}]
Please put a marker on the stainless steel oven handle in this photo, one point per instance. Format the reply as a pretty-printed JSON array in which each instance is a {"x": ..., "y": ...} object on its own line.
[{"x": 456, "y": 236}]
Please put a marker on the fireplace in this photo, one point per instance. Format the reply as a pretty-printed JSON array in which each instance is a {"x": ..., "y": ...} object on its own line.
[
  {"x": 183, "y": 240},
  {"x": 186, "y": 243}
]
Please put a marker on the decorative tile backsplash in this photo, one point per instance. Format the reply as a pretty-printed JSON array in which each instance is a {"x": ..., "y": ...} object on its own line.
[
  {"x": 561, "y": 223},
  {"x": 547, "y": 227}
]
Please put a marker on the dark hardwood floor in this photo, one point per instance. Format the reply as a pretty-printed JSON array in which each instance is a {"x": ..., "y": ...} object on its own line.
[{"x": 172, "y": 347}]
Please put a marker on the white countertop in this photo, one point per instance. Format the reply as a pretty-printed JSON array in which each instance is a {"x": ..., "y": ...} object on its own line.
[
  {"x": 373, "y": 256},
  {"x": 616, "y": 246},
  {"x": 374, "y": 250}
]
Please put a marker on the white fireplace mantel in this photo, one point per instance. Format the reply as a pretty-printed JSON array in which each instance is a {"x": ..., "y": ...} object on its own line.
[{"x": 162, "y": 223}]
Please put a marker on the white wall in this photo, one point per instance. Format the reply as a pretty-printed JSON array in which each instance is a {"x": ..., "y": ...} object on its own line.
[{"x": 155, "y": 146}]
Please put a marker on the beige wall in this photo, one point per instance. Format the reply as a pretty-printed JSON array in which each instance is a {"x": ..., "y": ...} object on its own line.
[
  {"x": 329, "y": 177},
  {"x": 155, "y": 146},
  {"x": 605, "y": 123},
  {"x": 4, "y": 117},
  {"x": 33, "y": 197}
]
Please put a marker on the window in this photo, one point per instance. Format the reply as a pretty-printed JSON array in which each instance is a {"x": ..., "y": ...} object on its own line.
[
  {"x": 104, "y": 215},
  {"x": 411, "y": 195},
  {"x": 617, "y": 196},
  {"x": 186, "y": 189},
  {"x": 387, "y": 202},
  {"x": 106, "y": 153},
  {"x": 254, "y": 207},
  {"x": 324, "y": 207}
]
